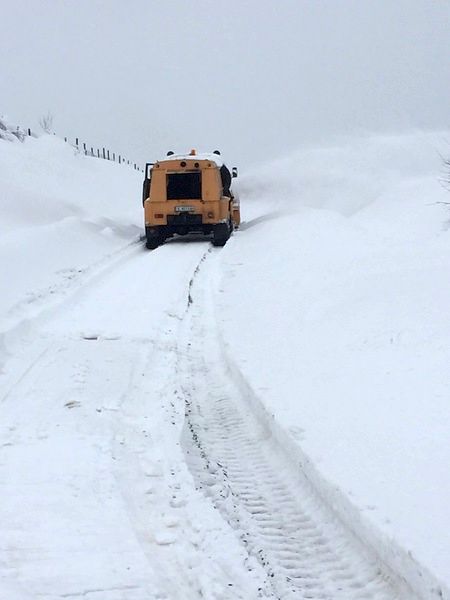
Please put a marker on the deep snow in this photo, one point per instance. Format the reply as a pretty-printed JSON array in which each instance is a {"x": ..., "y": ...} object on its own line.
[
  {"x": 330, "y": 303},
  {"x": 60, "y": 214},
  {"x": 340, "y": 326}
]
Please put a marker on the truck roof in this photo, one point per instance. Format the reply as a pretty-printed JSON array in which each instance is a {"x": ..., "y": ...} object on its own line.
[{"x": 210, "y": 156}]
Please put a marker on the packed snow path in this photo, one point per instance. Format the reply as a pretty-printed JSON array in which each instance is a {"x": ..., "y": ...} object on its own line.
[
  {"x": 279, "y": 518},
  {"x": 96, "y": 497}
]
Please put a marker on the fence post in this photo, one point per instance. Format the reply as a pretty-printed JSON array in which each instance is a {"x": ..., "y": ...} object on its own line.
[
  {"x": 84, "y": 147},
  {"x": 92, "y": 151},
  {"x": 29, "y": 131},
  {"x": 65, "y": 139},
  {"x": 103, "y": 152},
  {"x": 108, "y": 154},
  {"x": 98, "y": 153},
  {"x": 114, "y": 156},
  {"x": 76, "y": 142}
]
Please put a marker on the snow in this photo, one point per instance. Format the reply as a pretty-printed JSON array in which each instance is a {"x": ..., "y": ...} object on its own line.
[
  {"x": 181, "y": 423},
  {"x": 60, "y": 214},
  {"x": 10, "y": 132},
  {"x": 97, "y": 501},
  {"x": 341, "y": 328},
  {"x": 90, "y": 445}
]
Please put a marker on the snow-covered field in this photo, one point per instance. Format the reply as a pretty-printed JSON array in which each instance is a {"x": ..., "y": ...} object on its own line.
[{"x": 267, "y": 420}]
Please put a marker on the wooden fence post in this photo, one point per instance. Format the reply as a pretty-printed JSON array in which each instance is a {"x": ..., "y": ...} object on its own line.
[{"x": 76, "y": 142}]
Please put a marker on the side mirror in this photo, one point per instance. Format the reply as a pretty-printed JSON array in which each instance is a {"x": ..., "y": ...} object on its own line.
[{"x": 234, "y": 172}]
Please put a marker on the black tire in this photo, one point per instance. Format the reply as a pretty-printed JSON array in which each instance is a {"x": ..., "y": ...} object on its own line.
[
  {"x": 155, "y": 238},
  {"x": 152, "y": 243},
  {"x": 221, "y": 234}
]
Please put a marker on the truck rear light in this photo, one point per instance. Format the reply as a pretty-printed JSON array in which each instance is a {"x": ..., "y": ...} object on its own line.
[
  {"x": 210, "y": 215},
  {"x": 159, "y": 216}
]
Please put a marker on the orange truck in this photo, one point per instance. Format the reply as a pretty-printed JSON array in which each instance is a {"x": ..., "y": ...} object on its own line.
[{"x": 189, "y": 193}]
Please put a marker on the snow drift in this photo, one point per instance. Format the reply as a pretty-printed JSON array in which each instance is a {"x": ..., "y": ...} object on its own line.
[
  {"x": 340, "y": 326},
  {"x": 60, "y": 213}
]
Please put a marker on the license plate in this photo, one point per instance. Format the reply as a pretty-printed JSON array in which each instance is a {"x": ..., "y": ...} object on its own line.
[{"x": 184, "y": 208}]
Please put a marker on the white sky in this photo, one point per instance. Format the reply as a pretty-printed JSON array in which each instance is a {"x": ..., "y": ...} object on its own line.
[{"x": 255, "y": 78}]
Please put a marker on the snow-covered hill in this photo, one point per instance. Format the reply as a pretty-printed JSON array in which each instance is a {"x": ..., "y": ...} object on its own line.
[
  {"x": 149, "y": 400},
  {"x": 60, "y": 214}
]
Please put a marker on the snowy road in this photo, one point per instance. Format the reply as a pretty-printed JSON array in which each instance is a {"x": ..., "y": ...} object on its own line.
[
  {"x": 134, "y": 467},
  {"x": 88, "y": 460}
]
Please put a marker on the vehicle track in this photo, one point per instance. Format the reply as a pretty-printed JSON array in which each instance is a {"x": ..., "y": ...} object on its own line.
[{"x": 304, "y": 549}]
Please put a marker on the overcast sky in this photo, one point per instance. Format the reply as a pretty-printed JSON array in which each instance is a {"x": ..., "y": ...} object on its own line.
[{"x": 255, "y": 78}]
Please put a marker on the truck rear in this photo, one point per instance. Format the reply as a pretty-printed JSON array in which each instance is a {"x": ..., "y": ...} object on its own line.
[{"x": 189, "y": 194}]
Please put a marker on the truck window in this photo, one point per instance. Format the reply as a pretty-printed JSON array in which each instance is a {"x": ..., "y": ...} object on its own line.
[{"x": 184, "y": 186}]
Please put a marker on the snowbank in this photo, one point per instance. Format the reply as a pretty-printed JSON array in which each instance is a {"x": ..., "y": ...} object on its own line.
[
  {"x": 60, "y": 213},
  {"x": 337, "y": 318}
]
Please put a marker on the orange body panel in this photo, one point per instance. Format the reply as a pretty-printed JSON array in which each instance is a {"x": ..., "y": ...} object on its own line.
[{"x": 212, "y": 206}]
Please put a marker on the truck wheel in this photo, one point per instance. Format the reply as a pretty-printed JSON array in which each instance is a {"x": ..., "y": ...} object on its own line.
[
  {"x": 221, "y": 234},
  {"x": 155, "y": 237},
  {"x": 154, "y": 240}
]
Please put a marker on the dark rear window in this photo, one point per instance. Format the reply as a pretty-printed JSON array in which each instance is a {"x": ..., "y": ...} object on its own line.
[{"x": 184, "y": 186}]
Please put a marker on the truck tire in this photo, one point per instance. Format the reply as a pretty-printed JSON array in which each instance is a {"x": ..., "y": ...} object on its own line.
[
  {"x": 154, "y": 239},
  {"x": 152, "y": 242},
  {"x": 221, "y": 234}
]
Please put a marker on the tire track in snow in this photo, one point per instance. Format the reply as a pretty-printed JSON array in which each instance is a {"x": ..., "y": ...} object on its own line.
[{"x": 305, "y": 551}]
